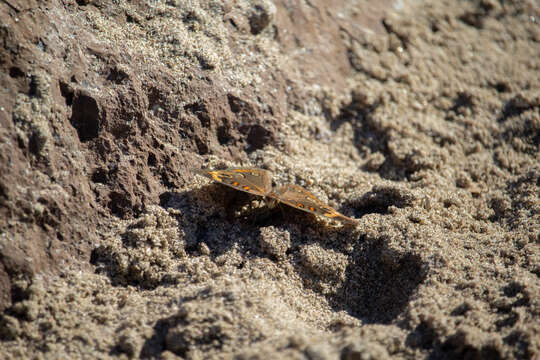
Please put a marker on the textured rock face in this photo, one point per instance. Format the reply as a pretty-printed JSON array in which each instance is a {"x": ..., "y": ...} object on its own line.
[
  {"x": 89, "y": 131},
  {"x": 421, "y": 120}
]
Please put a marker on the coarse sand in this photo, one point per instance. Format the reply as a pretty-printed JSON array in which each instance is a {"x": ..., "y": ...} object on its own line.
[{"x": 419, "y": 119}]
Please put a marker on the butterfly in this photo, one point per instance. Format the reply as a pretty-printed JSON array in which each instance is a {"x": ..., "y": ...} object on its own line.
[{"x": 259, "y": 182}]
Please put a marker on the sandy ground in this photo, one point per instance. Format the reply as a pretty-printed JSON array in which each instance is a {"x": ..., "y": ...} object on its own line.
[{"x": 419, "y": 119}]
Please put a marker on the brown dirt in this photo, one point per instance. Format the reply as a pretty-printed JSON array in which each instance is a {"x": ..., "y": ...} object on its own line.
[{"x": 420, "y": 119}]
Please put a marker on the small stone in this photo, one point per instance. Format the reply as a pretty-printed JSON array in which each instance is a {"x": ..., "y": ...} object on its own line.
[
  {"x": 204, "y": 249},
  {"x": 128, "y": 343},
  {"x": 261, "y": 16},
  {"x": 10, "y": 329},
  {"x": 275, "y": 242}
]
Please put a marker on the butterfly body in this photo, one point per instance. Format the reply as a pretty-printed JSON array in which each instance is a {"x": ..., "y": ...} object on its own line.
[{"x": 259, "y": 182}]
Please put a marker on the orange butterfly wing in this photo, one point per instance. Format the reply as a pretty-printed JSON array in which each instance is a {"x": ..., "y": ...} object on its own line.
[{"x": 298, "y": 197}]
